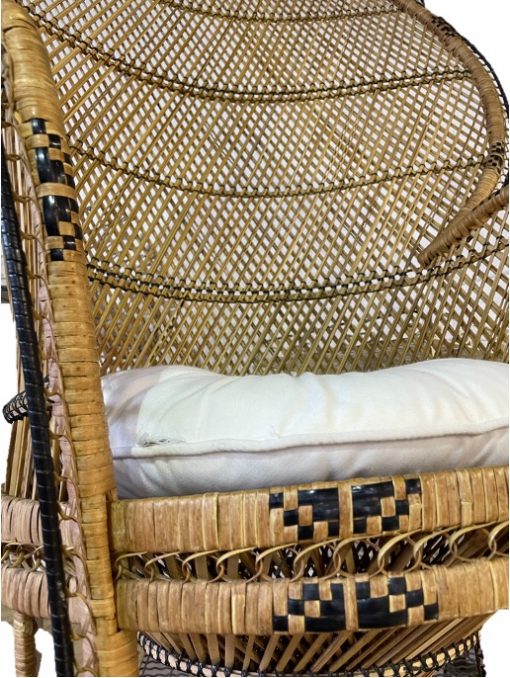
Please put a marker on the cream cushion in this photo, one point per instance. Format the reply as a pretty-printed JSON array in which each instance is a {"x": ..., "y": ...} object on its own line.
[{"x": 178, "y": 430}]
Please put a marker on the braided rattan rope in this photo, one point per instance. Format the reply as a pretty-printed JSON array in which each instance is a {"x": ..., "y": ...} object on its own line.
[
  {"x": 132, "y": 280},
  {"x": 258, "y": 15},
  {"x": 214, "y": 92}
]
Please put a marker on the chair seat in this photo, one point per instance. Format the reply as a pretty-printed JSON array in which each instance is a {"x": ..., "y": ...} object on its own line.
[{"x": 177, "y": 430}]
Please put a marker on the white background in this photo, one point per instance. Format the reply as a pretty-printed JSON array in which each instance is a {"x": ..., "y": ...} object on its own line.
[{"x": 486, "y": 24}]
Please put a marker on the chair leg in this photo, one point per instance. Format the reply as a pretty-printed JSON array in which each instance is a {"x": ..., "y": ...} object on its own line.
[{"x": 27, "y": 658}]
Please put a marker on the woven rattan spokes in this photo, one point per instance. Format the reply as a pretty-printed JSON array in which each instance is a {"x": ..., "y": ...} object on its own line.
[
  {"x": 271, "y": 161},
  {"x": 461, "y": 658}
]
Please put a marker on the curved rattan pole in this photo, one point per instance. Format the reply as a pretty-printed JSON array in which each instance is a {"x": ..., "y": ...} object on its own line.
[
  {"x": 39, "y": 120},
  {"x": 494, "y": 113},
  {"x": 39, "y": 427},
  {"x": 474, "y": 220}
]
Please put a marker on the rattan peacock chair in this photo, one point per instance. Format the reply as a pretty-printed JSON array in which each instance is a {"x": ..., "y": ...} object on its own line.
[{"x": 250, "y": 187}]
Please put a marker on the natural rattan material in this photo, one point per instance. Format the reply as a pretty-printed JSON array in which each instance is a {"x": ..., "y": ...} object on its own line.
[
  {"x": 421, "y": 503},
  {"x": 39, "y": 428},
  {"x": 460, "y": 659},
  {"x": 27, "y": 658},
  {"x": 259, "y": 187},
  {"x": 249, "y": 218}
]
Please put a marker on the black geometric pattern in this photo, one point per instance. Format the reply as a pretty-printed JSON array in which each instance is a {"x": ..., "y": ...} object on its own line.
[
  {"x": 391, "y": 609},
  {"x": 367, "y": 502},
  {"x": 54, "y": 166},
  {"x": 313, "y": 507},
  {"x": 442, "y": 25},
  {"x": 328, "y": 615},
  {"x": 496, "y": 156},
  {"x": 325, "y": 612}
]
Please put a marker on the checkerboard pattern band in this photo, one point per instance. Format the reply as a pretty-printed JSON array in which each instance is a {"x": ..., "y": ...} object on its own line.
[
  {"x": 382, "y": 503},
  {"x": 373, "y": 508},
  {"x": 52, "y": 162},
  {"x": 308, "y": 512},
  {"x": 316, "y": 607}
]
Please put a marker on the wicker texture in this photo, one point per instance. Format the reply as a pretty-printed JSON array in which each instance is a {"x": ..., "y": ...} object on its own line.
[
  {"x": 27, "y": 658},
  {"x": 460, "y": 659},
  {"x": 70, "y": 351},
  {"x": 263, "y": 187},
  {"x": 267, "y": 208},
  {"x": 335, "y": 510}
]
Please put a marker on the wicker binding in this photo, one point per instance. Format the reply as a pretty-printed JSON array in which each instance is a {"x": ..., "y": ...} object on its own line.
[{"x": 263, "y": 186}]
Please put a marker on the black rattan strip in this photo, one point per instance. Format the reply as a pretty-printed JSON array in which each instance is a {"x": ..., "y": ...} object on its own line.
[
  {"x": 468, "y": 661},
  {"x": 36, "y": 404}
]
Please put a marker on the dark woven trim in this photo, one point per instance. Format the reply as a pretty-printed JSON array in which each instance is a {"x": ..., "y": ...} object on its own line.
[
  {"x": 256, "y": 16},
  {"x": 39, "y": 427},
  {"x": 426, "y": 662},
  {"x": 140, "y": 282},
  {"x": 218, "y": 90},
  {"x": 16, "y": 409}
]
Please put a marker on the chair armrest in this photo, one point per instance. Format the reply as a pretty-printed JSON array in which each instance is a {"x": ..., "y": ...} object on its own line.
[
  {"x": 465, "y": 222},
  {"x": 34, "y": 136}
]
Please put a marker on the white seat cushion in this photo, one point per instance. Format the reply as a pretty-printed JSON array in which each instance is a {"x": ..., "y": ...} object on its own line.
[{"x": 178, "y": 430}]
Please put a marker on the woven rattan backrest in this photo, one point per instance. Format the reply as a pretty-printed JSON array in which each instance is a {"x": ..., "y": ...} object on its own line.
[{"x": 258, "y": 177}]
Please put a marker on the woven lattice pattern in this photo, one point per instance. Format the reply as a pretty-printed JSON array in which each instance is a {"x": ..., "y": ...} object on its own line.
[
  {"x": 252, "y": 187},
  {"x": 309, "y": 620},
  {"x": 339, "y": 558},
  {"x": 254, "y": 195}
]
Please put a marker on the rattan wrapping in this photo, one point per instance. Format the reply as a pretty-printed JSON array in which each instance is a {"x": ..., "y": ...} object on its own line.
[
  {"x": 428, "y": 502},
  {"x": 253, "y": 187},
  {"x": 27, "y": 658}
]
